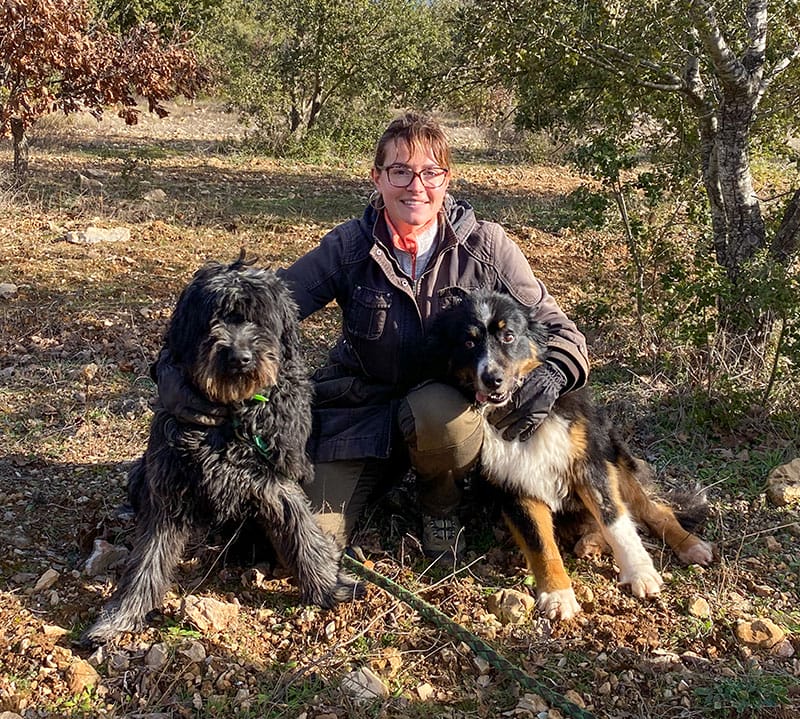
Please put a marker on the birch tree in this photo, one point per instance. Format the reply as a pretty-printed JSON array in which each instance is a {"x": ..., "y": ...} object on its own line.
[{"x": 710, "y": 76}]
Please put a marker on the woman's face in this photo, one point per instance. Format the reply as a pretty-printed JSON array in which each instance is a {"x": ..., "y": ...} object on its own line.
[{"x": 409, "y": 208}]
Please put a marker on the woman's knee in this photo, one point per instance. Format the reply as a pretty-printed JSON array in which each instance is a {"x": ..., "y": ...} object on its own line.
[{"x": 442, "y": 429}]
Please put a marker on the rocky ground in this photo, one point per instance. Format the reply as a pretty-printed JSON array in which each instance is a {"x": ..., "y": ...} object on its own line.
[{"x": 81, "y": 320}]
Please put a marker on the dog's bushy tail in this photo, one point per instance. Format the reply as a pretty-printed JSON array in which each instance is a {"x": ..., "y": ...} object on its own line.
[{"x": 691, "y": 507}]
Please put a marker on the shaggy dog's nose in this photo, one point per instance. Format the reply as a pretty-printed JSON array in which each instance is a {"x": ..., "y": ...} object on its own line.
[{"x": 240, "y": 359}]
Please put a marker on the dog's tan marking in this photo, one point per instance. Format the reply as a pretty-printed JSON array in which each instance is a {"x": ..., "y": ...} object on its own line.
[
  {"x": 529, "y": 364},
  {"x": 228, "y": 391},
  {"x": 635, "y": 564},
  {"x": 545, "y": 565},
  {"x": 554, "y": 594},
  {"x": 501, "y": 324},
  {"x": 578, "y": 434}
]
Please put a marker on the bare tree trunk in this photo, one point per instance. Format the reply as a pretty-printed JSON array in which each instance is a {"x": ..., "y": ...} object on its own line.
[
  {"x": 745, "y": 229},
  {"x": 20, "y": 149},
  {"x": 787, "y": 238},
  {"x": 737, "y": 223}
]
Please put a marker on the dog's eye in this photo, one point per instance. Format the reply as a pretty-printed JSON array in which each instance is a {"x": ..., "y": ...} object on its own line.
[
  {"x": 507, "y": 337},
  {"x": 469, "y": 344}
]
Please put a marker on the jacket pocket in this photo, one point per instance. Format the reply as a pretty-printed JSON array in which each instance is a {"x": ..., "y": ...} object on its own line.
[{"x": 366, "y": 315}]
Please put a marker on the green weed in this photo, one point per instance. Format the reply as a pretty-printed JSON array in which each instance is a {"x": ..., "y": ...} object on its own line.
[{"x": 743, "y": 696}]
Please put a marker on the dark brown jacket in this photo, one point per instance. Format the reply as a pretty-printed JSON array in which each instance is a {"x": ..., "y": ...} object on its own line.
[{"x": 378, "y": 357}]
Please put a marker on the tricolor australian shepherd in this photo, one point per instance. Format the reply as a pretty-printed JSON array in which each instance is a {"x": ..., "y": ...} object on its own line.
[{"x": 574, "y": 463}]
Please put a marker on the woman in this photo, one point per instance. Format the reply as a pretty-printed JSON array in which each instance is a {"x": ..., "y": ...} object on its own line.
[{"x": 409, "y": 254}]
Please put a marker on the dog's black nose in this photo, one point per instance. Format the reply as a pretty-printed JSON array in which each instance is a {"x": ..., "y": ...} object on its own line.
[
  {"x": 491, "y": 381},
  {"x": 240, "y": 359}
]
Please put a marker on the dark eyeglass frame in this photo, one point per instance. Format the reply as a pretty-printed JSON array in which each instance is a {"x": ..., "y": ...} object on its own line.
[{"x": 442, "y": 172}]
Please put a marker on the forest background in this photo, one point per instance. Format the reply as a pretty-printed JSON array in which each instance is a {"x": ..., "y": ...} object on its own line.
[{"x": 645, "y": 157}]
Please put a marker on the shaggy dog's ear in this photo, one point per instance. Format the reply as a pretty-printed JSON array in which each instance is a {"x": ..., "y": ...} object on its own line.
[
  {"x": 191, "y": 318},
  {"x": 287, "y": 315}
]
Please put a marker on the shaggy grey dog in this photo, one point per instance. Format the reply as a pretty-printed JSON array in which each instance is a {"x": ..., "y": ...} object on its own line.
[{"x": 234, "y": 335}]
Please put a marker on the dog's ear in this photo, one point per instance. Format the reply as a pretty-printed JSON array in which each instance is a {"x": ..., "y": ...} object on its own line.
[
  {"x": 190, "y": 320},
  {"x": 538, "y": 334},
  {"x": 441, "y": 338},
  {"x": 284, "y": 309},
  {"x": 453, "y": 296}
]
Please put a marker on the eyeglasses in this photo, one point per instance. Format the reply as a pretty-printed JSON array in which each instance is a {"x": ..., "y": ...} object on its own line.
[{"x": 402, "y": 176}]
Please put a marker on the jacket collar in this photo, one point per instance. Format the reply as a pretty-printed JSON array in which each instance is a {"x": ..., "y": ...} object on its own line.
[{"x": 457, "y": 217}]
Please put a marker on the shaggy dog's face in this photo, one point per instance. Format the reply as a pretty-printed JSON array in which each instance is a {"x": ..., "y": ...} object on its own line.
[
  {"x": 227, "y": 331},
  {"x": 490, "y": 345},
  {"x": 238, "y": 359}
]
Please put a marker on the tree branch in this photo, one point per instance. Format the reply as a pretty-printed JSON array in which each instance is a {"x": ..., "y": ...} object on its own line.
[
  {"x": 769, "y": 78},
  {"x": 732, "y": 73},
  {"x": 756, "y": 21}
]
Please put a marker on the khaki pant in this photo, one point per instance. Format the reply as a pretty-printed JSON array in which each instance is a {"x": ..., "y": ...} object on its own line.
[{"x": 443, "y": 433}]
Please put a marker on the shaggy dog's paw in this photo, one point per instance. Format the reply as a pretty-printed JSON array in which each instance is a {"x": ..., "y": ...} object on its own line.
[
  {"x": 643, "y": 580},
  {"x": 107, "y": 628},
  {"x": 559, "y": 604},
  {"x": 697, "y": 552},
  {"x": 348, "y": 588}
]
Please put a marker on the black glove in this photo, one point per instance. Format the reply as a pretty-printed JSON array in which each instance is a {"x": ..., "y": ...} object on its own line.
[
  {"x": 530, "y": 404},
  {"x": 178, "y": 397}
]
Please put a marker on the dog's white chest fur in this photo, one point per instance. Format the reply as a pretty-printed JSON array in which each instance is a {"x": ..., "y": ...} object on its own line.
[{"x": 536, "y": 468}]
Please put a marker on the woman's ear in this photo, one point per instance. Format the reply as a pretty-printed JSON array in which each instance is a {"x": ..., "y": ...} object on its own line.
[{"x": 375, "y": 174}]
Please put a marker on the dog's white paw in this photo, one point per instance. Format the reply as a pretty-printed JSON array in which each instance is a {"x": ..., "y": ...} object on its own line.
[
  {"x": 559, "y": 604},
  {"x": 698, "y": 553},
  {"x": 643, "y": 580}
]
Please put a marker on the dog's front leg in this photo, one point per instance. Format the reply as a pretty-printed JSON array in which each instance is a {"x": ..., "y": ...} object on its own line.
[
  {"x": 311, "y": 554},
  {"x": 531, "y": 525},
  {"x": 158, "y": 547}
]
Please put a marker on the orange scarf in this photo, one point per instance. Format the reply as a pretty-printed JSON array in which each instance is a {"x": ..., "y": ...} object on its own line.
[{"x": 407, "y": 243}]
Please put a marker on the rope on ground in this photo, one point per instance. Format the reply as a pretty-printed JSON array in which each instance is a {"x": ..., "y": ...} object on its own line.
[{"x": 474, "y": 642}]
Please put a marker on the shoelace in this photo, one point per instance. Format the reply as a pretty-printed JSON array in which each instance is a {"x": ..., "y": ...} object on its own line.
[{"x": 444, "y": 529}]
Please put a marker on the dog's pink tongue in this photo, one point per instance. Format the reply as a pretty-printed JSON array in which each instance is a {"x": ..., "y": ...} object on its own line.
[{"x": 481, "y": 397}]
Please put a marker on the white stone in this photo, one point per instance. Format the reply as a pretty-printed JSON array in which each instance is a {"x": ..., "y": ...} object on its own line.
[
  {"x": 47, "y": 580},
  {"x": 93, "y": 235},
  {"x": 209, "y": 614},
  {"x": 363, "y": 685},
  {"x": 510, "y": 606},
  {"x": 157, "y": 656},
  {"x": 193, "y": 650},
  {"x": 783, "y": 484},
  {"x": 155, "y": 196},
  {"x": 7, "y": 290},
  {"x": 104, "y": 556}
]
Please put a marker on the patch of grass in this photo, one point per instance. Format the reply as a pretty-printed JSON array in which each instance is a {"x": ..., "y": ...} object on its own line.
[
  {"x": 689, "y": 629},
  {"x": 743, "y": 696},
  {"x": 83, "y": 705},
  {"x": 178, "y": 632}
]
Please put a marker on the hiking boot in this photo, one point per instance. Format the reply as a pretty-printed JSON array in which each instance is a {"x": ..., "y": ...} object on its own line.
[{"x": 442, "y": 537}]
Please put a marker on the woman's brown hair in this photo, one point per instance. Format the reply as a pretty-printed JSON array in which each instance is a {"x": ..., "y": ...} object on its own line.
[{"x": 419, "y": 133}]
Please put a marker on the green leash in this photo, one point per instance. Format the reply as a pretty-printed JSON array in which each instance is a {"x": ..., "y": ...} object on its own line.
[{"x": 476, "y": 644}]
